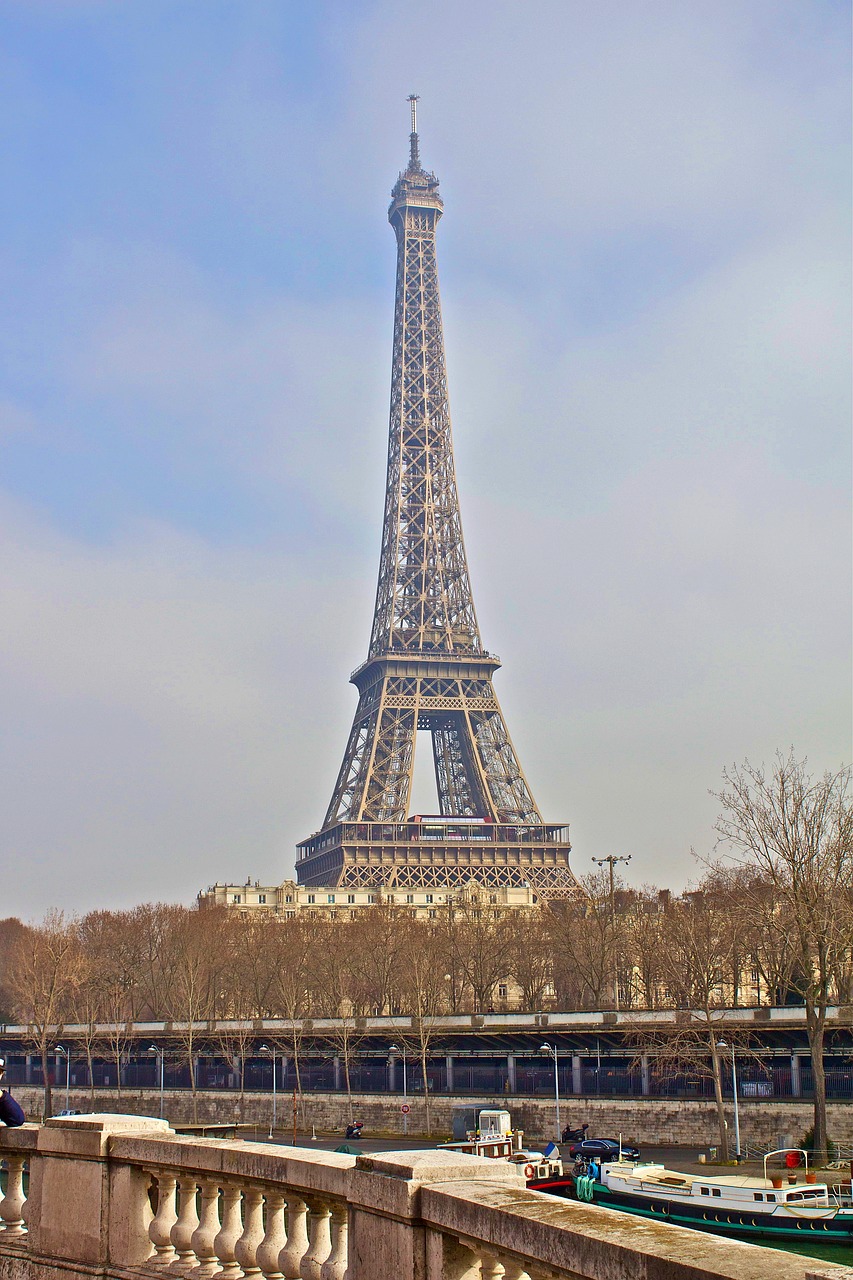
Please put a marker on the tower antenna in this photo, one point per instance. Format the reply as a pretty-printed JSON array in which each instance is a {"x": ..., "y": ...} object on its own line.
[{"x": 414, "y": 159}]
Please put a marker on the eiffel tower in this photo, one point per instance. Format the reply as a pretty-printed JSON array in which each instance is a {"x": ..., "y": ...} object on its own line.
[{"x": 426, "y": 666}]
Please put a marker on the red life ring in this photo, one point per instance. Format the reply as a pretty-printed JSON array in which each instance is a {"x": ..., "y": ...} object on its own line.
[{"x": 529, "y": 1171}]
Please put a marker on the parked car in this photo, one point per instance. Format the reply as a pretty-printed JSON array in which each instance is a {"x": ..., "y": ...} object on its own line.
[{"x": 602, "y": 1149}]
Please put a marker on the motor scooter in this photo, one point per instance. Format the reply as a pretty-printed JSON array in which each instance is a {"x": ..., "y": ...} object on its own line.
[
  {"x": 574, "y": 1135},
  {"x": 354, "y": 1130}
]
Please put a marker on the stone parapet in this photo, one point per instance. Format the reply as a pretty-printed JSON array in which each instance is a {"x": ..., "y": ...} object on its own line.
[{"x": 118, "y": 1196}]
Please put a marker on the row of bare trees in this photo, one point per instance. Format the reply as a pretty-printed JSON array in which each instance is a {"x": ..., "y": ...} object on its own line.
[{"x": 770, "y": 922}]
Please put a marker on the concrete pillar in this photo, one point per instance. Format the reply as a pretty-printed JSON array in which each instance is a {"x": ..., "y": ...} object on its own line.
[
  {"x": 510, "y": 1072},
  {"x": 645, "y": 1075},
  {"x": 394, "y": 1242},
  {"x": 81, "y": 1209},
  {"x": 336, "y": 1064},
  {"x": 577, "y": 1074},
  {"x": 448, "y": 1062},
  {"x": 392, "y": 1075},
  {"x": 796, "y": 1080},
  {"x": 28, "y": 1069}
]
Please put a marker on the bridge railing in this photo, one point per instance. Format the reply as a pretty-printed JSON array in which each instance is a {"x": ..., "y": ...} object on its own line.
[{"x": 108, "y": 1194}]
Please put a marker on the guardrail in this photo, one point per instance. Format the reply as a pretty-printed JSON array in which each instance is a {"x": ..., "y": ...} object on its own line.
[{"x": 108, "y": 1193}]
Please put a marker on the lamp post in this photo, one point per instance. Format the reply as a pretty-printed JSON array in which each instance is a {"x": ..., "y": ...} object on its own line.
[
  {"x": 266, "y": 1049},
  {"x": 611, "y": 859},
  {"x": 153, "y": 1048},
  {"x": 392, "y": 1048},
  {"x": 722, "y": 1044},
  {"x": 60, "y": 1048},
  {"x": 547, "y": 1048}
]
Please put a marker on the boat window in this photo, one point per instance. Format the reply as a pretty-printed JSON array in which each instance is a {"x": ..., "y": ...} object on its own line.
[
  {"x": 705, "y": 1191},
  {"x": 770, "y": 1197},
  {"x": 716, "y": 1191},
  {"x": 757, "y": 1195}
]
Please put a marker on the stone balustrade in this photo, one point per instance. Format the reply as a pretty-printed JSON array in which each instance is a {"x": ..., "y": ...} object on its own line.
[{"x": 119, "y": 1196}]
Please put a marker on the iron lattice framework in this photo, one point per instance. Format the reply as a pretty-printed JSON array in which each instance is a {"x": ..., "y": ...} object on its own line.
[{"x": 426, "y": 666}]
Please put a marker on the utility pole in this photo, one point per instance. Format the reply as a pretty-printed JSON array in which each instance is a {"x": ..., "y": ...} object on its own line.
[{"x": 611, "y": 860}]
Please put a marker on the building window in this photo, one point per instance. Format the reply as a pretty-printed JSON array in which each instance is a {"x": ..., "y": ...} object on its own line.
[
  {"x": 493, "y": 897},
  {"x": 288, "y": 897},
  {"x": 428, "y": 897},
  {"x": 432, "y": 914},
  {"x": 350, "y": 898},
  {"x": 311, "y": 899},
  {"x": 290, "y": 914},
  {"x": 371, "y": 897},
  {"x": 502, "y": 990},
  {"x": 410, "y": 897},
  {"x": 237, "y": 897},
  {"x": 330, "y": 897},
  {"x": 262, "y": 899}
]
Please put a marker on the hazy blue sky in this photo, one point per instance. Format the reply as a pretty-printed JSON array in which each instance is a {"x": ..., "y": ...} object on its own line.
[{"x": 645, "y": 275}]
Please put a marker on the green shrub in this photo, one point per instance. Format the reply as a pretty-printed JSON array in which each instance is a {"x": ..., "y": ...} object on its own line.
[{"x": 807, "y": 1143}]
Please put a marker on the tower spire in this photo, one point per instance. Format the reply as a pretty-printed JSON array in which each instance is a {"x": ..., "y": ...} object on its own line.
[{"x": 414, "y": 158}]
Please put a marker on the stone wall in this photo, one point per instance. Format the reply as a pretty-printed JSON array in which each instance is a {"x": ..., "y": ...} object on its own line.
[{"x": 657, "y": 1122}]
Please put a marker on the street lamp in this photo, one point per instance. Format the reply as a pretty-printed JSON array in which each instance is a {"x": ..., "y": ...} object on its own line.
[
  {"x": 392, "y": 1048},
  {"x": 266, "y": 1049},
  {"x": 611, "y": 859},
  {"x": 67, "y": 1056},
  {"x": 547, "y": 1048},
  {"x": 153, "y": 1048},
  {"x": 721, "y": 1044}
]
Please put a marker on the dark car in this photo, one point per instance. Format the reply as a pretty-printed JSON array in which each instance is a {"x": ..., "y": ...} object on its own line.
[{"x": 603, "y": 1149}]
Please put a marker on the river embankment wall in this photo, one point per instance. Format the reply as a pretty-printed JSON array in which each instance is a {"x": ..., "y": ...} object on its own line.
[{"x": 653, "y": 1121}]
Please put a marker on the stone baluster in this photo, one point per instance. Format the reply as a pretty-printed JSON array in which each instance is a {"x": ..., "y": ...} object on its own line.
[
  {"x": 274, "y": 1236},
  {"x": 204, "y": 1236},
  {"x": 160, "y": 1227},
  {"x": 319, "y": 1240},
  {"x": 186, "y": 1224},
  {"x": 12, "y": 1204},
  {"x": 230, "y": 1231},
  {"x": 335, "y": 1266},
  {"x": 494, "y": 1268},
  {"x": 246, "y": 1248},
  {"x": 290, "y": 1258},
  {"x": 458, "y": 1260},
  {"x": 514, "y": 1270}
]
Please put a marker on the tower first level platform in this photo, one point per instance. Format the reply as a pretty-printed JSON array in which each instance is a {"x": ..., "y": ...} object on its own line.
[{"x": 439, "y": 853}]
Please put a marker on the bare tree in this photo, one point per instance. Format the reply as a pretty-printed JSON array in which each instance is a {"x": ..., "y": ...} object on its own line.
[
  {"x": 582, "y": 931},
  {"x": 695, "y": 951},
  {"x": 482, "y": 940},
  {"x": 188, "y": 949},
  {"x": 798, "y": 831},
  {"x": 12, "y": 933},
  {"x": 423, "y": 993},
  {"x": 530, "y": 959},
  {"x": 45, "y": 971}
]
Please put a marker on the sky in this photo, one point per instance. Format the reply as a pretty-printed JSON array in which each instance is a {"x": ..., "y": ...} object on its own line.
[{"x": 645, "y": 277}]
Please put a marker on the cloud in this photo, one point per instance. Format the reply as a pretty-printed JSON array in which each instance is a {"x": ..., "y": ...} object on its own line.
[{"x": 162, "y": 724}]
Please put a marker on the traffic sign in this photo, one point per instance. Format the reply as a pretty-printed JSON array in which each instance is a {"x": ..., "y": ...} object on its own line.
[{"x": 405, "y": 1108}]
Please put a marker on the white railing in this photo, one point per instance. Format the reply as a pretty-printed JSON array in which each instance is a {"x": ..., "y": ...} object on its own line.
[{"x": 109, "y": 1193}]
